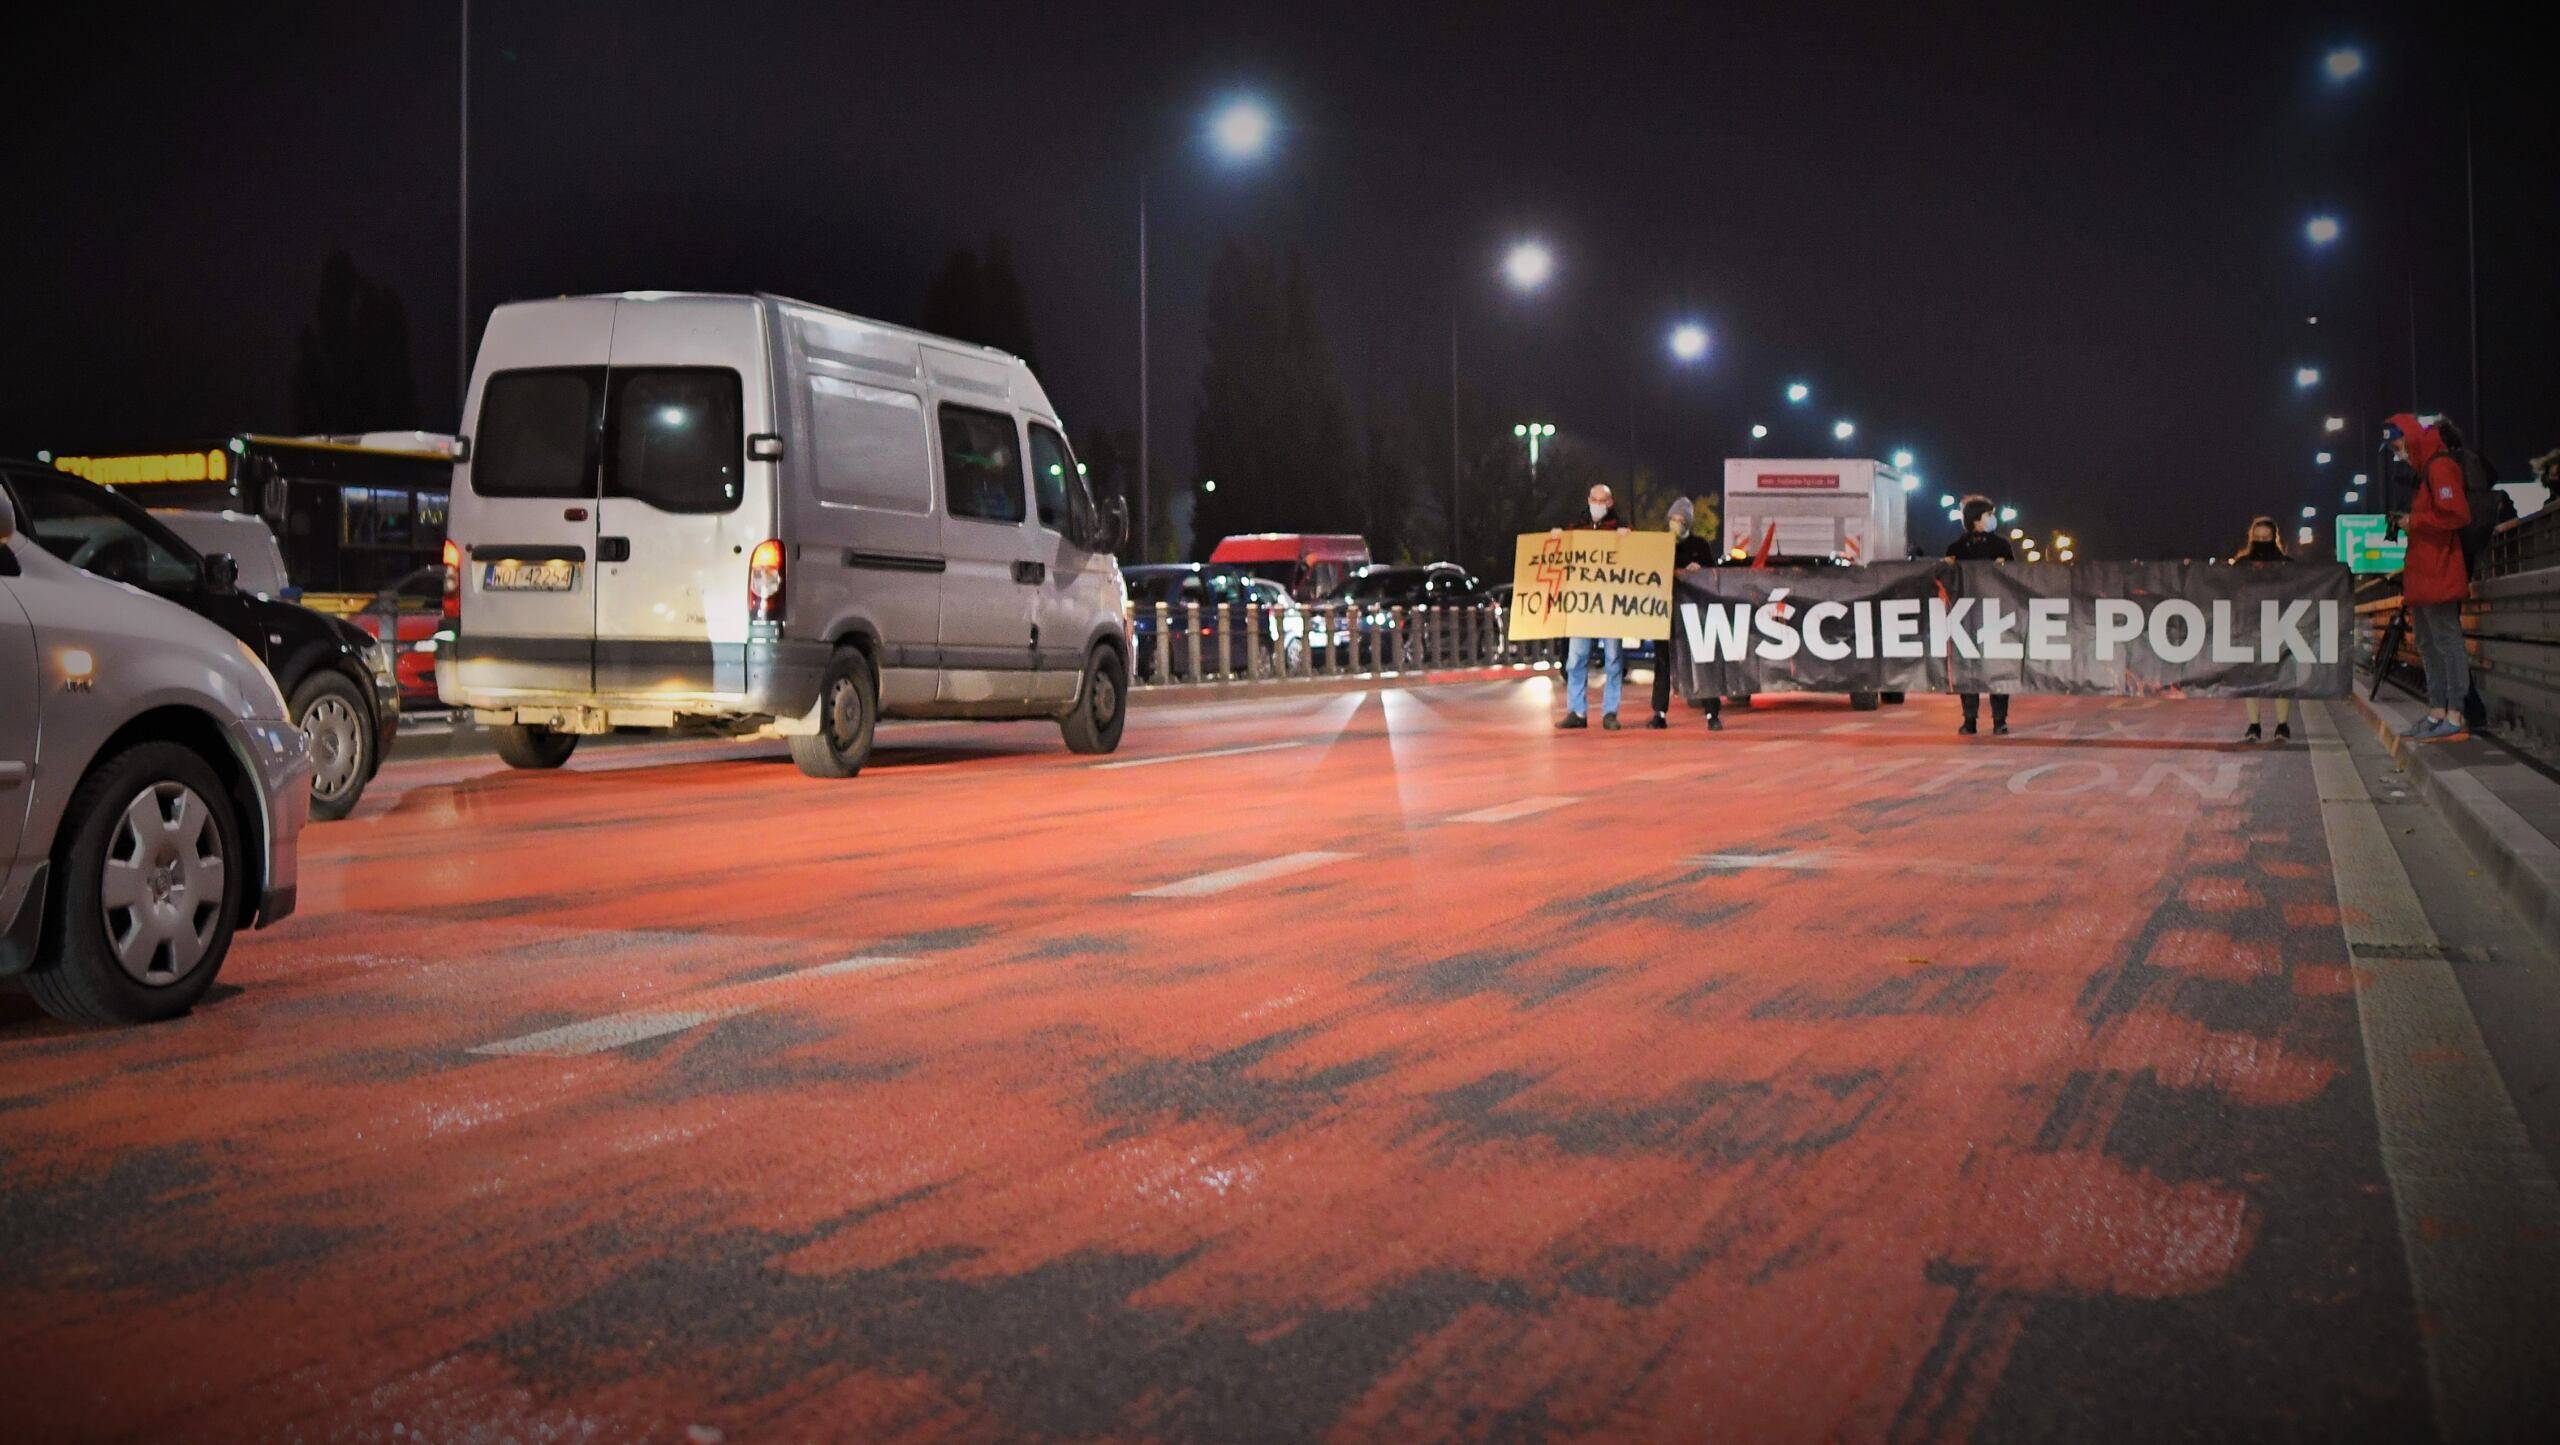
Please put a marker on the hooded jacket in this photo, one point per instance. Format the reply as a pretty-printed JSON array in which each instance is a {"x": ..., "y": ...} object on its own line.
[{"x": 2438, "y": 511}]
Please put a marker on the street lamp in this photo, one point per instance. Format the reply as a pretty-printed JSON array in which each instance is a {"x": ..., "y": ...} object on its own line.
[
  {"x": 1241, "y": 129},
  {"x": 2322, "y": 230},
  {"x": 2322, "y": 459},
  {"x": 1534, "y": 432},
  {"x": 1798, "y": 392},
  {"x": 2334, "y": 424},
  {"x": 2343, "y": 64},
  {"x": 1842, "y": 431},
  {"x": 2008, "y": 514},
  {"x": 1759, "y": 432},
  {"x": 1947, "y": 500},
  {"x": 2310, "y": 512},
  {"x": 1688, "y": 341},
  {"x": 2306, "y": 377},
  {"x": 1529, "y": 265},
  {"x": 1902, "y": 461}
]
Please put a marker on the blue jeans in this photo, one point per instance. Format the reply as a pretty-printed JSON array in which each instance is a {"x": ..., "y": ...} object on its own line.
[
  {"x": 1577, "y": 674},
  {"x": 2439, "y": 629}
]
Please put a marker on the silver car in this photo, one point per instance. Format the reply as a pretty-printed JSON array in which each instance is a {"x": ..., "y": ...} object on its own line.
[{"x": 152, "y": 792}]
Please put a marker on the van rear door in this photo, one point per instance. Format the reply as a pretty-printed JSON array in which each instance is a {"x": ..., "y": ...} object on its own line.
[
  {"x": 524, "y": 511},
  {"x": 679, "y": 517}
]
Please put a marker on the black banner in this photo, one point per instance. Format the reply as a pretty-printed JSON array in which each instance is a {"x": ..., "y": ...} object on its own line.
[{"x": 2193, "y": 629}]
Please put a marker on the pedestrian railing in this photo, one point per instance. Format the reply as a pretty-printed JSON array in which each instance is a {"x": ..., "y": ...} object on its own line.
[{"x": 1243, "y": 644}]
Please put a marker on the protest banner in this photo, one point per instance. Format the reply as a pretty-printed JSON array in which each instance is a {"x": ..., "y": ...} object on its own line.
[
  {"x": 2190, "y": 629},
  {"x": 1591, "y": 584}
]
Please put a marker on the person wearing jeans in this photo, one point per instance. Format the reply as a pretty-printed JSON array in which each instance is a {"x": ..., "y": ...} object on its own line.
[
  {"x": 2434, "y": 581},
  {"x": 1601, "y": 507}
]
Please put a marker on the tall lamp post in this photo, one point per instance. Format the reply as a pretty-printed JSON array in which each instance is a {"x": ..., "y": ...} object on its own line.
[
  {"x": 1526, "y": 268},
  {"x": 1239, "y": 132}
]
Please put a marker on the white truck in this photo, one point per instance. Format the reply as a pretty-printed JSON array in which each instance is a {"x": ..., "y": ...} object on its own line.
[{"x": 1844, "y": 509}]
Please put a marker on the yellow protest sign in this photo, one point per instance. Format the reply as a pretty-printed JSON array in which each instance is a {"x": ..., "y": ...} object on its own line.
[{"x": 1591, "y": 584}]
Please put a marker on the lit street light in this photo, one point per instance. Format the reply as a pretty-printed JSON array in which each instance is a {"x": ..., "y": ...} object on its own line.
[
  {"x": 2322, "y": 230},
  {"x": 2322, "y": 459},
  {"x": 1209, "y": 485},
  {"x": 2334, "y": 424},
  {"x": 2354, "y": 497},
  {"x": 1241, "y": 129},
  {"x": 1902, "y": 461},
  {"x": 1759, "y": 432},
  {"x": 1842, "y": 431},
  {"x": 2306, "y": 377},
  {"x": 1947, "y": 500},
  {"x": 2008, "y": 514},
  {"x": 2344, "y": 64},
  {"x": 2310, "y": 512},
  {"x": 1529, "y": 265},
  {"x": 1688, "y": 341},
  {"x": 1534, "y": 432},
  {"x": 1798, "y": 392}
]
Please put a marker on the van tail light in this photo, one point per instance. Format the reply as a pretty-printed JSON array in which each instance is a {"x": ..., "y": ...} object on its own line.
[
  {"x": 764, "y": 582},
  {"x": 452, "y": 580}
]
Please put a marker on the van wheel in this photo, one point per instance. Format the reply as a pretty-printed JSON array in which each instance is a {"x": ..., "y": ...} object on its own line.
[
  {"x": 538, "y": 748},
  {"x": 1102, "y": 708},
  {"x": 1893, "y": 699},
  {"x": 848, "y": 709},
  {"x": 332, "y": 717},
  {"x": 150, "y": 888},
  {"x": 1862, "y": 702}
]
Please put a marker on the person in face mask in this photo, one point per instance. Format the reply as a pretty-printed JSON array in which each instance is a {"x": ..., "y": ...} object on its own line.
[
  {"x": 1601, "y": 515},
  {"x": 2433, "y": 581},
  {"x": 1982, "y": 542},
  {"x": 1689, "y": 551},
  {"x": 2263, "y": 546}
]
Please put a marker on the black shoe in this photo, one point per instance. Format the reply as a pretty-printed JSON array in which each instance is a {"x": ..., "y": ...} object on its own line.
[
  {"x": 1609, "y": 721},
  {"x": 1715, "y": 722},
  {"x": 1572, "y": 720},
  {"x": 2284, "y": 732},
  {"x": 1999, "y": 730},
  {"x": 1660, "y": 721},
  {"x": 1966, "y": 728},
  {"x": 2251, "y": 735}
]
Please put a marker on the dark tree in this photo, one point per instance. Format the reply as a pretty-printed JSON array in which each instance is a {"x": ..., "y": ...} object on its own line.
[
  {"x": 981, "y": 300},
  {"x": 1274, "y": 428},
  {"x": 351, "y": 367}
]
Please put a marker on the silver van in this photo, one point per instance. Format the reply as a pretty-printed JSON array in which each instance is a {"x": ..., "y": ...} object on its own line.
[
  {"x": 755, "y": 515},
  {"x": 152, "y": 791}
]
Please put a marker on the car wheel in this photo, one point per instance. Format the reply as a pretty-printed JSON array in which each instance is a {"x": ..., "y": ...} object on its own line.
[
  {"x": 150, "y": 888},
  {"x": 332, "y": 717},
  {"x": 848, "y": 709},
  {"x": 1102, "y": 707},
  {"x": 535, "y": 748}
]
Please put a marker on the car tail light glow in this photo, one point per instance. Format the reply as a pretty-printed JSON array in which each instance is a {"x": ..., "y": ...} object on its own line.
[
  {"x": 764, "y": 582},
  {"x": 452, "y": 580}
]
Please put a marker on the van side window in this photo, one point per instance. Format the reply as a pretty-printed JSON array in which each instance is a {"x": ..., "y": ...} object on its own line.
[
  {"x": 871, "y": 447},
  {"x": 1051, "y": 469},
  {"x": 675, "y": 439},
  {"x": 981, "y": 465},
  {"x": 536, "y": 433}
]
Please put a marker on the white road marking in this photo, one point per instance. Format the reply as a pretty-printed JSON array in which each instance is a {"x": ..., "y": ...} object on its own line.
[
  {"x": 2479, "y": 1211},
  {"x": 1192, "y": 757},
  {"x": 614, "y": 1031},
  {"x": 1799, "y": 862},
  {"x": 859, "y": 963},
  {"x": 1505, "y": 812},
  {"x": 1249, "y": 874}
]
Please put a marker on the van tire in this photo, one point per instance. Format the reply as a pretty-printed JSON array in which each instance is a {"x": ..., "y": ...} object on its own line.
[
  {"x": 1893, "y": 699},
  {"x": 85, "y": 982},
  {"x": 848, "y": 714},
  {"x": 1863, "y": 702},
  {"x": 1102, "y": 705},
  {"x": 332, "y": 714},
  {"x": 537, "y": 749}
]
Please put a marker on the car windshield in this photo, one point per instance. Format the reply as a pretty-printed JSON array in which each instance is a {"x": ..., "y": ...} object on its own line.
[{"x": 101, "y": 533}]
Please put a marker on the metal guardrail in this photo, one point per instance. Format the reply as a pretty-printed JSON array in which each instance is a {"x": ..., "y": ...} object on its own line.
[
  {"x": 1240, "y": 645},
  {"x": 2510, "y": 627}
]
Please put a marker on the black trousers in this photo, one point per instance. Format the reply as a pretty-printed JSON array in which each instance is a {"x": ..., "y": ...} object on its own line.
[
  {"x": 1973, "y": 707},
  {"x": 1712, "y": 707}
]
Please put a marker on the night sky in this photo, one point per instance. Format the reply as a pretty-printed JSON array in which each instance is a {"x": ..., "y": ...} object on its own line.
[{"x": 2057, "y": 252}]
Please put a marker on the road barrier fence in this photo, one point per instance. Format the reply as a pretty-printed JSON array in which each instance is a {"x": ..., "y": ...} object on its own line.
[{"x": 1243, "y": 644}]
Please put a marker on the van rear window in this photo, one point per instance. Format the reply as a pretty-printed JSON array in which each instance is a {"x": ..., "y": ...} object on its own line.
[
  {"x": 536, "y": 433},
  {"x": 674, "y": 438}
]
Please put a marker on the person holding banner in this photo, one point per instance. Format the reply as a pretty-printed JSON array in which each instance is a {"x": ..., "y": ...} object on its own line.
[
  {"x": 1688, "y": 553},
  {"x": 2265, "y": 546},
  {"x": 1982, "y": 542},
  {"x": 1601, "y": 505},
  {"x": 2433, "y": 581}
]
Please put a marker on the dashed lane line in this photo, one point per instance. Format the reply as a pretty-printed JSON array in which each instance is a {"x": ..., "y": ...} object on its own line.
[
  {"x": 1228, "y": 879},
  {"x": 1505, "y": 812},
  {"x": 621, "y": 1031},
  {"x": 1195, "y": 757},
  {"x": 2479, "y": 1210}
]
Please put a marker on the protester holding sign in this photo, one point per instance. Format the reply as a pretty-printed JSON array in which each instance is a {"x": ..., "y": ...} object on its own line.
[
  {"x": 2264, "y": 546},
  {"x": 1601, "y": 506},
  {"x": 2434, "y": 581},
  {"x": 1982, "y": 542},
  {"x": 1689, "y": 552}
]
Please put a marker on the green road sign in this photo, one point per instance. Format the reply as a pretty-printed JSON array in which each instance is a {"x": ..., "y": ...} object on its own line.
[{"x": 2361, "y": 547}]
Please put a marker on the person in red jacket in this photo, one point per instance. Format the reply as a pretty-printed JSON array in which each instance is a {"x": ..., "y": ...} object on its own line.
[{"x": 2434, "y": 581}]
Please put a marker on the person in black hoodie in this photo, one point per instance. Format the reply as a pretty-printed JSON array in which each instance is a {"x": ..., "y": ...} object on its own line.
[
  {"x": 1688, "y": 553},
  {"x": 2265, "y": 547},
  {"x": 1982, "y": 542}
]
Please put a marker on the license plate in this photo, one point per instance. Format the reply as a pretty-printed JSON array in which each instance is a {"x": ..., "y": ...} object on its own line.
[{"x": 516, "y": 575}]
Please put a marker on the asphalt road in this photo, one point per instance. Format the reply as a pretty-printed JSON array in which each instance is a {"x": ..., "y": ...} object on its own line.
[{"x": 1377, "y": 1066}]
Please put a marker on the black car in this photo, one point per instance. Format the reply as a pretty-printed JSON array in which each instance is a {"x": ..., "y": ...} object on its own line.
[
  {"x": 336, "y": 680},
  {"x": 1178, "y": 585}
]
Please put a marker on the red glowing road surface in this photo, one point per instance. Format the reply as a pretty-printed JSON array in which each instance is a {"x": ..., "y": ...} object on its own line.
[{"x": 1373, "y": 1066}]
